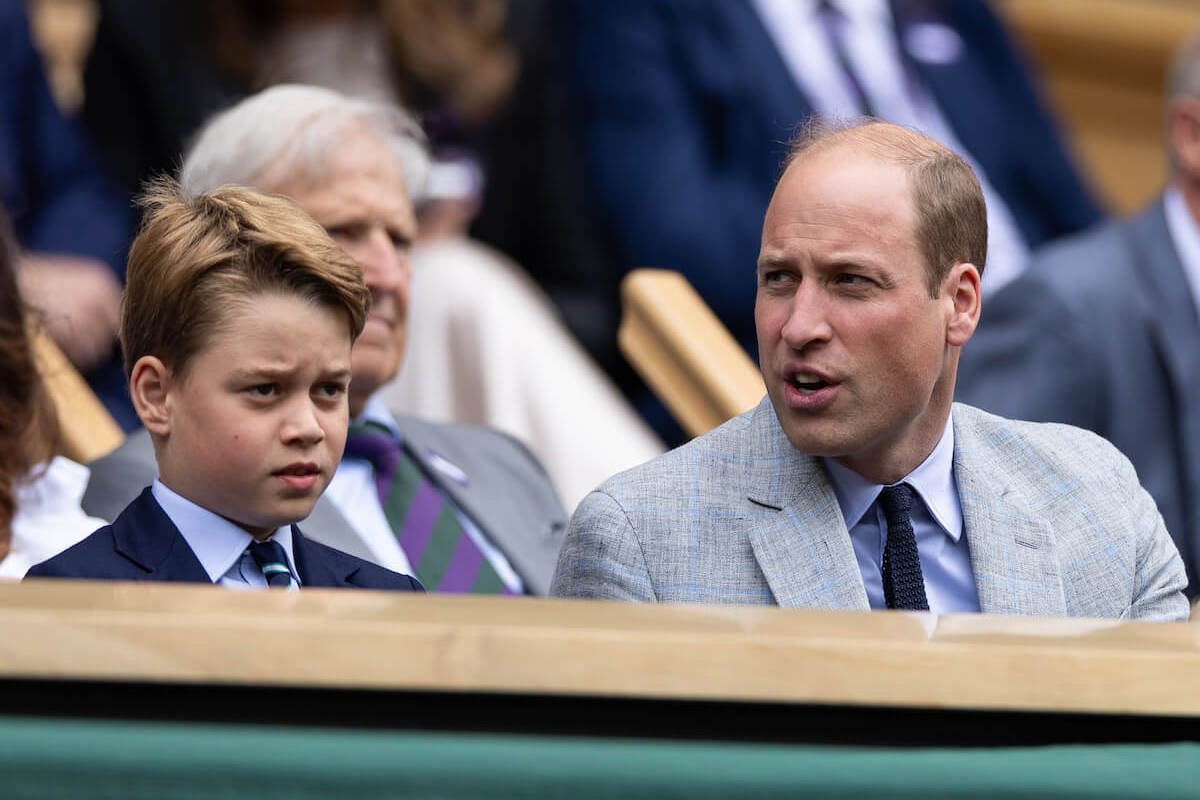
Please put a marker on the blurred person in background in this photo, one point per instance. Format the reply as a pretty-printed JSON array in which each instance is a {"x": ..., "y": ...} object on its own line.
[
  {"x": 1103, "y": 328},
  {"x": 40, "y": 491},
  {"x": 71, "y": 223},
  {"x": 479, "y": 75}
]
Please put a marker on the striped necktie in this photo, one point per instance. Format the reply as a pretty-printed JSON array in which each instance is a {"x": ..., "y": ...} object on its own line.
[
  {"x": 444, "y": 557},
  {"x": 273, "y": 561}
]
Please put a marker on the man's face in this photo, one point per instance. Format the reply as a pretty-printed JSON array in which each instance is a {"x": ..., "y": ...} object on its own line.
[
  {"x": 363, "y": 203},
  {"x": 256, "y": 425},
  {"x": 856, "y": 355}
]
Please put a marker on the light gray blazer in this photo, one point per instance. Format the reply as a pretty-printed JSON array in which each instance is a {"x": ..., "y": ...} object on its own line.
[
  {"x": 1056, "y": 523},
  {"x": 1101, "y": 332},
  {"x": 508, "y": 494}
]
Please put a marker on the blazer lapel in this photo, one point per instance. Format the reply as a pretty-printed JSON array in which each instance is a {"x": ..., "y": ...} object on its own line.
[
  {"x": 317, "y": 568},
  {"x": 1012, "y": 550},
  {"x": 144, "y": 534},
  {"x": 1174, "y": 327},
  {"x": 801, "y": 542}
]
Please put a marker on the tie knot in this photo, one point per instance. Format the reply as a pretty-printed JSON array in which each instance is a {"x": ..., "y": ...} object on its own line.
[
  {"x": 273, "y": 561},
  {"x": 897, "y": 500},
  {"x": 374, "y": 443}
]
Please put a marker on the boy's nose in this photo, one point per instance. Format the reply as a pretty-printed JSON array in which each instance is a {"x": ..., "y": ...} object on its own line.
[{"x": 303, "y": 425}]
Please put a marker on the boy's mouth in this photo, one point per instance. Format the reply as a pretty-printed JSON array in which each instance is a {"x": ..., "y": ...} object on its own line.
[{"x": 300, "y": 476}]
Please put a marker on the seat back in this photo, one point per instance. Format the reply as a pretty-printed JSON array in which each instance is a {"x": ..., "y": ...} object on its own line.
[
  {"x": 683, "y": 352},
  {"x": 87, "y": 430}
]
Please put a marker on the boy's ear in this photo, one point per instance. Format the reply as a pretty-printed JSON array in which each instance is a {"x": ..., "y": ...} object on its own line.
[{"x": 149, "y": 387}]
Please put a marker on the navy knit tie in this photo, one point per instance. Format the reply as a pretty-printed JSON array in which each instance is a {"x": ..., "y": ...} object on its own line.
[{"x": 903, "y": 584}]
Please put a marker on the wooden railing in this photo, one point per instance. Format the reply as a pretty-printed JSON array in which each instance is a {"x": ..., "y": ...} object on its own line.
[{"x": 325, "y": 639}]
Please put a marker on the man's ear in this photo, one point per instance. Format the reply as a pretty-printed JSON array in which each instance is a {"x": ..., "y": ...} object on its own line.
[
  {"x": 149, "y": 388},
  {"x": 962, "y": 286},
  {"x": 1183, "y": 133}
]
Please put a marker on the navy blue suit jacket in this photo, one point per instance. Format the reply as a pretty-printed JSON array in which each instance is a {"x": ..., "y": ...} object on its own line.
[
  {"x": 686, "y": 108},
  {"x": 143, "y": 544}
]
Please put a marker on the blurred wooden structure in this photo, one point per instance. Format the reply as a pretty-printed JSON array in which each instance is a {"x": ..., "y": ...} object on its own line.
[
  {"x": 683, "y": 352},
  {"x": 1104, "y": 65},
  {"x": 86, "y": 428}
]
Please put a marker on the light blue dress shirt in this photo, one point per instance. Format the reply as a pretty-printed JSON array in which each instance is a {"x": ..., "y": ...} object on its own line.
[
  {"x": 219, "y": 544},
  {"x": 937, "y": 523}
]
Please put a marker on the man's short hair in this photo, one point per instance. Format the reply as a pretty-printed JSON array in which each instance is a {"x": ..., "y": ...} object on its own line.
[
  {"x": 289, "y": 132},
  {"x": 196, "y": 259},
  {"x": 951, "y": 216}
]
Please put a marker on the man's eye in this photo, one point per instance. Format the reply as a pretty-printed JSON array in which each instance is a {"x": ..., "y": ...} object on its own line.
[
  {"x": 263, "y": 390},
  {"x": 850, "y": 279},
  {"x": 775, "y": 277},
  {"x": 331, "y": 390},
  {"x": 349, "y": 230}
]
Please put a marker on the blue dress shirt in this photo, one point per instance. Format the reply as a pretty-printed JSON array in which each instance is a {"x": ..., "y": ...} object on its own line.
[{"x": 937, "y": 523}]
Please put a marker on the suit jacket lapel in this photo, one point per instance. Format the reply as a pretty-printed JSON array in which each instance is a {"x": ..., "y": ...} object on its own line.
[
  {"x": 316, "y": 568},
  {"x": 1174, "y": 326},
  {"x": 801, "y": 542},
  {"x": 144, "y": 534},
  {"x": 1012, "y": 550}
]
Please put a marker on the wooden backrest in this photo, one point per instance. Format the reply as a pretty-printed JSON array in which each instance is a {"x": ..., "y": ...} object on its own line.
[
  {"x": 87, "y": 430},
  {"x": 684, "y": 353}
]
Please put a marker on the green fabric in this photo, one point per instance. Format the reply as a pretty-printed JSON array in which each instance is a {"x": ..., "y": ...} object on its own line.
[{"x": 83, "y": 759}]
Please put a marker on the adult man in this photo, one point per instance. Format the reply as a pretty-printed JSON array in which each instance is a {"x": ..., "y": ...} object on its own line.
[
  {"x": 465, "y": 509},
  {"x": 853, "y": 486},
  {"x": 1102, "y": 331}
]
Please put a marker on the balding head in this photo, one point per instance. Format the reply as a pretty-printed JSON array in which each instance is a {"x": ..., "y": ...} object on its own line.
[{"x": 951, "y": 217}]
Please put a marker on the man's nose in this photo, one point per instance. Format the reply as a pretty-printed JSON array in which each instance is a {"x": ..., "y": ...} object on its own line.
[
  {"x": 808, "y": 318},
  {"x": 385, "y": 266}
]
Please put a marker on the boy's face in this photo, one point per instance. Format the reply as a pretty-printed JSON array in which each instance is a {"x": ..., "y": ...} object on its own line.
[{"x": 255, "y": 428}]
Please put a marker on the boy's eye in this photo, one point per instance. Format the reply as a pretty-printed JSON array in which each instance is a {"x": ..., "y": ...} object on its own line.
[
  {"x": 263, "y": 390},
  {"x": 331, "y": 389}
]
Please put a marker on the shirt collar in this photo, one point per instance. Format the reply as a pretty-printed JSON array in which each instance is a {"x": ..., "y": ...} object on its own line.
[
  {"x": 933, "y": 480},
  {"x": 1185, "y": 235},
  {"x": 217, "y": 542},
  {"x": 857, "y": 12},
  {"x": 376, "y": 411}
]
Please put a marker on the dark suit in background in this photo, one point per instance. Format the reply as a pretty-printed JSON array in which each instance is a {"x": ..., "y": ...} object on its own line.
[
  {"x": 51, "y": 184},
  {"x": 686, "y": 107}
]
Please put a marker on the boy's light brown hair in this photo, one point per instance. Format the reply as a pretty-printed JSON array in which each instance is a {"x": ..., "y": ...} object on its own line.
[{"x": 197, "y": 259}]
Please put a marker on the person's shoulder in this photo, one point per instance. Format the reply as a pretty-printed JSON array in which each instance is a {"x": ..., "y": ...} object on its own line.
[
  {"x": 1090, "y": 256},
  {"x": 471, "y": 448},
  {"x": 732, "y": 440},
  {"x": 94, "y": 556},
  {"x": 1049, "y": 443}
]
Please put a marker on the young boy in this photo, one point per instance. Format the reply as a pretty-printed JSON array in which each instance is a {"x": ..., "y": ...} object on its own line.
[{"x": 237, "y": 322}]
